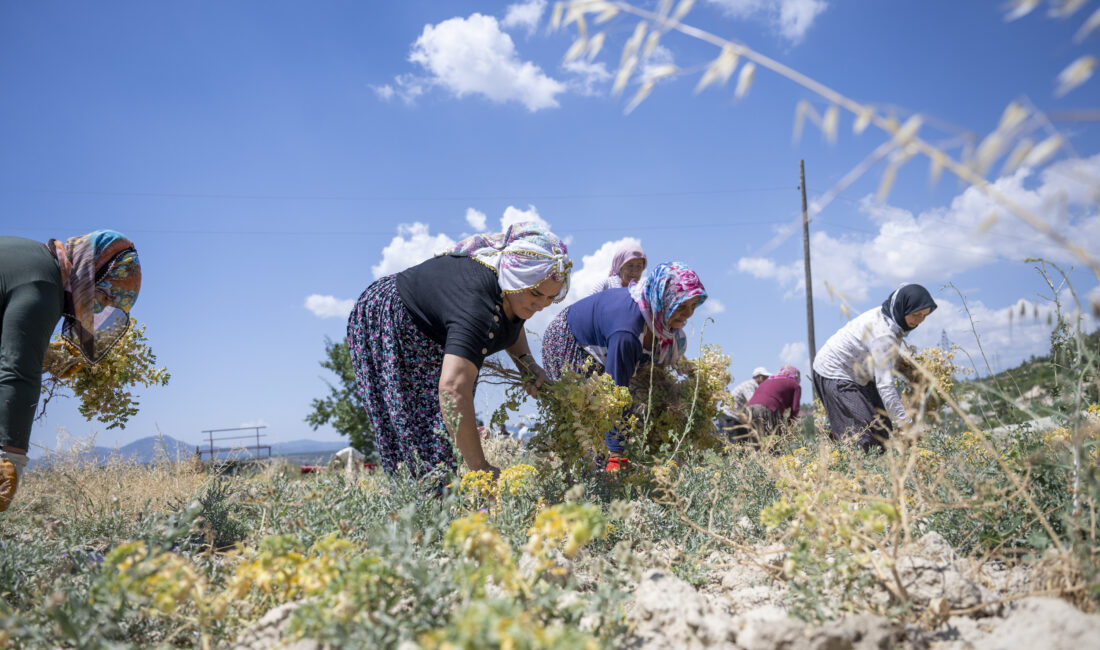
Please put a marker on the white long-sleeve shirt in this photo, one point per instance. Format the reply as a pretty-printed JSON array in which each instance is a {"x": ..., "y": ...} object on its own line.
[
  {"x": 866, "y": 349},
  {"x": 743, "y": 392}
]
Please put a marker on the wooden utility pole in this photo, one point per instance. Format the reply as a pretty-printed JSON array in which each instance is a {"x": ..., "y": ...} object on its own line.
[{"x": 806, "y": 263}]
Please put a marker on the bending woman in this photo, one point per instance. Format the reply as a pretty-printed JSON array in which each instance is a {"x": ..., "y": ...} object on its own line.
[
  {"x": 616, "y": 328},
  {"x": 627, "y": 266},
  {"x": 418, "y": 339},
  {"x": 92, "y": 281},
  {"x": 774, "y": 395},
  {"x": 854, "y": 372}
]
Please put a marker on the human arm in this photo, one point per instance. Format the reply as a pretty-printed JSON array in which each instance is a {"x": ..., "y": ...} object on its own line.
[
  {"x": 884, "y": 354},
  {"x": 456, "y": 385},
  {"x": 520, "y": 351},
  {"x": 796, "y": 397}
]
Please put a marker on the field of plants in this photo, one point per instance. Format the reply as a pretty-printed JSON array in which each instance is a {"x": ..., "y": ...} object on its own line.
[{"x": 797, "y": 542}]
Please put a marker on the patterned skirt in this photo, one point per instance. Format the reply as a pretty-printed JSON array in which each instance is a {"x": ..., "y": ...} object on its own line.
[
  {"x": 397, "y": 371},
  {"x": 856, "y": 413},
  {"x": 561, "y": 350}
]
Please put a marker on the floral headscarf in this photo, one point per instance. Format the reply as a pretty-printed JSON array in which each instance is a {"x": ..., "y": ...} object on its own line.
[
  {"x": 626, "y": 252},
  {"x": 662, "y": 289},
  {"x": 789, "y": 371},
  {"x": 101, "y": 275},
  {"x": 523, "y": 257}
]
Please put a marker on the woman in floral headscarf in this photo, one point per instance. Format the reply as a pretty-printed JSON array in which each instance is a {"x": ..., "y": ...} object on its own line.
[
  {"x": 772, "y": 397},
  {"x": 617, "y": 328},
  {"x": 91, "y": 281},
  {"x": 418, "y": 339},
  {"x": 627, "y": 266}
]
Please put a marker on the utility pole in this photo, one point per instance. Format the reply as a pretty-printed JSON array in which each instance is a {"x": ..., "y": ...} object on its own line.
[{"x": 806, "y": 264}]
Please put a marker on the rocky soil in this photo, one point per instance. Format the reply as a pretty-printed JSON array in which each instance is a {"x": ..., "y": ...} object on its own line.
[{"x": 963, "y": 606}]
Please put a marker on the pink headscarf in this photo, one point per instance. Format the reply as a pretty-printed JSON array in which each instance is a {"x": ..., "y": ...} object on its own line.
[{"x": 626, "y": 252}]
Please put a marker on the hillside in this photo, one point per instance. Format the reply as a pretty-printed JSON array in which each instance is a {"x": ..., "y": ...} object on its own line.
[{"x": 1033, "y": 388}]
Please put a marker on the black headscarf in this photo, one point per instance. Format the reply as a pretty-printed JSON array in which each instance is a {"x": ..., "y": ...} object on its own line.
[{"x": 905, "y": 300}]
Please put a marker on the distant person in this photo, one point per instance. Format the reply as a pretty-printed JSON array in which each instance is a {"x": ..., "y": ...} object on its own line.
[
  {"x": 418, "y": 339},
  {"x": 627, "y": 266},
  {"x": 778, "y": 393},
  {"x": 92, "y": 281},
  {"x": 854, "y": 372},
  {"x": 733, "y": 418},
  {"x": 617, "y": 328}
]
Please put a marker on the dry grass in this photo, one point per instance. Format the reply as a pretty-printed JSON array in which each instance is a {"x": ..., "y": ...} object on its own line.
[{"x": 73, "y": 483}]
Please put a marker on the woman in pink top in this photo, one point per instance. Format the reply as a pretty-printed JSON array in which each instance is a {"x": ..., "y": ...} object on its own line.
[{"x": 775, "y": 394}]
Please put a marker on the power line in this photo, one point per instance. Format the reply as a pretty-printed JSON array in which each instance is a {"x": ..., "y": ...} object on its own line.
[
  {"x": 306, "y": 197},
  {"x": 390, "y": 231}
]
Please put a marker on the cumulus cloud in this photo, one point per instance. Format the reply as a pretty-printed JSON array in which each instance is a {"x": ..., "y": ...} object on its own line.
[
  {"x": 713, "y": 307},
  {"x": 473, "y": 56},
  {"x": 513, "y": 215},
  {"x": 524, "y": 14},
  {"x": 938, "y": 244},
  {"x": 587, "y": 77},
  {"x": 796, "y": 354},
  {"x": 791, "y": 18},
  {"x": 407, "y": 87},
  {"x": 1010, "y": 333},
  {"x": 329, "y": 306},
  {"x": 476, "y": 219},
  {"x": 413, "y": 244}
]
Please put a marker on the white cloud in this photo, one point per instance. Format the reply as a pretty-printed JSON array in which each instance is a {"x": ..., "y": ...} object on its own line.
[
  {"x": 1009, "y": 334},
  {"x": 938, "y": 244},
  {"x": 791, "y": 18},
  {"x": 408, "y": 88},
  {"x": 587, "y": 76},
  {"x": 329, "y": 306},
  {"x": 476, "y": 219},
  {"x": 412, "y": 245},
  {"x": 513, "y": 215},
  {"x": 796, "y": 354},
  {"x": 660, "y": 56},
  {"x": 473, "y": 56},
  {"x": 385, "y": 92},
  {"x": 524, "y": 14},
  {"x": 258, "y": 422},
  {"x": 713, "y": 307}
]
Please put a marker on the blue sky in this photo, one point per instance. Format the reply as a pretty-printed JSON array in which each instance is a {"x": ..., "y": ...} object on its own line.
[{"x": 269, "y": 159}]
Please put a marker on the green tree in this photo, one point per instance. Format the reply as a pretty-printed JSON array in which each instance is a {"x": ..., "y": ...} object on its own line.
[{"x": 342, "y": 407}]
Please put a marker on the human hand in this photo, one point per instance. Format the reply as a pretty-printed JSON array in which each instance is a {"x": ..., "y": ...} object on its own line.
[{"x": 538, "y": 378}]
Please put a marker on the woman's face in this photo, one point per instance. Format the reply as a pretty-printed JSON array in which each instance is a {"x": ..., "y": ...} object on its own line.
[
  {"x": 917, "y": 317},
  {"x": 682, "y": 314},
  {"x": 527, "y": 303},
  {"x": 631, "y": 271}
]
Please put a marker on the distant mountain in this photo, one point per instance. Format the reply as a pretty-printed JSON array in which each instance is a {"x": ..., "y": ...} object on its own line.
[{"x": 146, "y": 450}]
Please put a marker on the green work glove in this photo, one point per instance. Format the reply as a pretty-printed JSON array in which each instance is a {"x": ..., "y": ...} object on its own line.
[{"x": 11, "y": 472}]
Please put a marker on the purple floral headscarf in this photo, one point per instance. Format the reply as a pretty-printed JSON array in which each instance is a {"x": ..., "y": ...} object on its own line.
[
  {"x": 522, "y": 257},
  {"x": 626, "y": 252},
  {"x": 662, "y": 290},
  {"x": 789, "y": 371}
]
